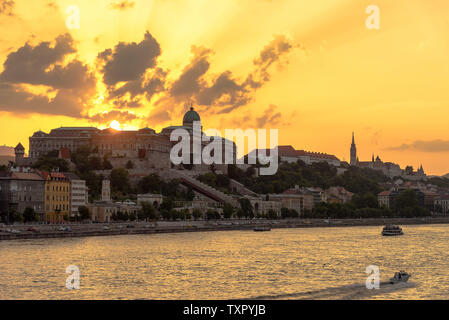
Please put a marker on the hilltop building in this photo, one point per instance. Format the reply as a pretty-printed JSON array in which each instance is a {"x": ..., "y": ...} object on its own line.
[
  {"x": 291, "y": 155},
  {"x": 390, "y": 169},
  {"x": 145, "y": 148}
]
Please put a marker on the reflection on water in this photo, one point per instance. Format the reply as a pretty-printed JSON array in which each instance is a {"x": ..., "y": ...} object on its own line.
[{"x": 315, "y": 263}]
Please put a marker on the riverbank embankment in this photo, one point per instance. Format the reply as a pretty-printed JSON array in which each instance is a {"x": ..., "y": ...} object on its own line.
[{"x": 18, "y": 232}]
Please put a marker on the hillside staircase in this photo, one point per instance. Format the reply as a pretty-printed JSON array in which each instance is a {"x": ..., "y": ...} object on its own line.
[{"x": 202, "y": 188}]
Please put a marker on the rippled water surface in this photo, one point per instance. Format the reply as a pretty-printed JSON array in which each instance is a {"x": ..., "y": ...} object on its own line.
[{"x": 315, "y": 263}]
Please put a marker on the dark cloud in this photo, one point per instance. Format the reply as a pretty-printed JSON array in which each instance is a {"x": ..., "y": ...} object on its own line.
[
  {"x": 17, "y": 100},
  {"x": 70, "y": 81},
  {"x": 120, "y": 116},
  {"x": 158, "y": 116},
  {"x": 130, "y": 71},
  {"x": 424, "y": 146},
  {"x": 190, "y": 81},
  {"x": 224, "y": 93},
  {"x": 148, "y": 86},
  {"x": 270, "y": 117},
  {"x": 7, "y": 7},
  {"x": 129, "y": 61},
  {"x": 132, "y": 76},
  {"x": 122, "y": 5},
  {"x": 53, "y": 5},
  {"x": 270, "y": 54},
  {"x": 42, "y": 65}
]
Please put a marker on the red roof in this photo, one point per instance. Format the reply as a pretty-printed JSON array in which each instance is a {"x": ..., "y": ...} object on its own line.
[
  {"x": 289, "y": 151},
  {"x": 384, "y": 193},
  {"x": 57, "y": 175}
]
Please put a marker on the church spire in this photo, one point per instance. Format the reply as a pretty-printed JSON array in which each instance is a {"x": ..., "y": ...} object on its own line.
[{"x": 353, "y": 152}]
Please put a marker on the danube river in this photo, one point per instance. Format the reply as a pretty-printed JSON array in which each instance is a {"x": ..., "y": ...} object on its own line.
[{"x": 313, "y": 263}]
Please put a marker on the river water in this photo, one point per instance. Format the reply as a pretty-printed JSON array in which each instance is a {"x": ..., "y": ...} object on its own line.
[{"x": 313, "y": 263}]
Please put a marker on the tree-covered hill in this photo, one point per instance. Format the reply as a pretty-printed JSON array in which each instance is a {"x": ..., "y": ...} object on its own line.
[{"x": 323, "y": 175}]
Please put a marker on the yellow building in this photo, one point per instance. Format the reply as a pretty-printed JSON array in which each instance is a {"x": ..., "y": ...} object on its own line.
[{"x": 57, "y": 197}]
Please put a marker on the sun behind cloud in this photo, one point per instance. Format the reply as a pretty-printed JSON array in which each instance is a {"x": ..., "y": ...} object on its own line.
[{"x": 116, "y": 125}]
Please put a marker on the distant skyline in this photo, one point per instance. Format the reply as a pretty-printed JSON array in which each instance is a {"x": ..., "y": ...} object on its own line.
[{"x": 311, "y": 69}]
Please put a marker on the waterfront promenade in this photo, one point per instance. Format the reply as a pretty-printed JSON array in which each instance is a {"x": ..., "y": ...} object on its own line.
[{"x": 98, "y": 229}]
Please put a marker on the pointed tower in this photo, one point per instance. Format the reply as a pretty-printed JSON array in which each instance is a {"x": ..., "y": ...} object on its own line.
[
  {"x": 353, "y": 152},
  {"x": 106, "y": 191},
  {"x": 19, "y": 151}
]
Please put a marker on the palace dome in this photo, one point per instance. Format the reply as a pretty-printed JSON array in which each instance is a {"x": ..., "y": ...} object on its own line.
[
  {"x": 190, "y": 117},
  {"x": 146, "y": 131}
]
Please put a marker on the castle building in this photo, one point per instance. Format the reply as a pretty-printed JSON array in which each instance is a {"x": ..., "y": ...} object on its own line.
[
  {"x": 145, "y": 147},
  {"x": 291, "y": 155},
  {"x": 390, "y": 169},
  {"x": 72, "y": 138}
]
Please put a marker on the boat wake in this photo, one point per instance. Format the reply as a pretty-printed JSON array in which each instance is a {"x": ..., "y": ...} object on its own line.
[{"x": 348, "y": 292}]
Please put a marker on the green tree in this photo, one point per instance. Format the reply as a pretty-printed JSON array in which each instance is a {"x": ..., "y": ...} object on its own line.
[
  {"x": 95, "y": 163},
  {"x": 129, "y": 165},
  {"x": 15, "y": 216},
  {"x": 366, "y": 200},
  {"x": 120, "y": 180},
  {"x": 84, "y": 213},
  {"x": 148, "y": 211},
  {"x": 222, "y": 181},
  {"x": 272, "y": 214},
  {"x": 167, "y": 204},
  {"x": 285, "y": 213},
  {"x": 29, "y": 215},
  {"x": 228, "y": 211},
  {"x": 107, "y": 164},
  {"x": 240, "y": 214},
  {"x": 405, "y": 199},
  {"x": 211, "y": 214},
  {"x": 197, "y": 214},
  {"x": 150, "y": 184},
  {"x": 294, "y": 214},
  {"x": 209, "y": 179},
  {"x": 246, "y": 207},
  {"x": 165, "y": 214}
]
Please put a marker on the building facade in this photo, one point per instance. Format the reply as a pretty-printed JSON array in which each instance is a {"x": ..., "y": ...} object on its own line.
[
  {"x": 57, "y": 197},
  {"x": 442, "y": 205},
  {"x": 21, "y": 190},
  {"x": 78, "y": 193},
  {"x": 155, "y": 199}
]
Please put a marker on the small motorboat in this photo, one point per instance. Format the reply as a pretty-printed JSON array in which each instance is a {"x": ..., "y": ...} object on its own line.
[
  {"x": 391, "y": 230},
  {"x": 400, "y": 276},
  {"x": 262, "y": 229}
]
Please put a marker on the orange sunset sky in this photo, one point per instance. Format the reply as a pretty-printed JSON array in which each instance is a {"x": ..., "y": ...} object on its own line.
[{"x": 312, "y": 69}]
